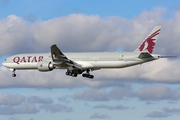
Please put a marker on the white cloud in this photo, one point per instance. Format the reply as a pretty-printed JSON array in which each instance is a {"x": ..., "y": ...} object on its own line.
[
  {"x": 9, "y": 99},
  {"x": 12, "y": 118},
  {"x": 23, "y": 109},
  {"x": 37, "y": 99},
  {"x": 14, "y": 33},
  {"x": 64, "y": 99},
  {"x": 102, "y": 95},
  {"x": 157, "y": 114},
  {"x": 146, "y": 93},
  {"x": 100, "y": 116},
  {"x": 165, "y": 112},
  {"x": 89, "y": 33},
  {"x": 93, "y": 94},
  {"x": 116, "y": 107},
  {"x": 160, "y": 92},
  {"x": 18, "y": 104},
  {"x": 53, "y": 108}
]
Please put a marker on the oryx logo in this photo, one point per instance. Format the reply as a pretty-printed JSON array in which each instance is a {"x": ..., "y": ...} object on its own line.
[{"x": 149, "y": 43}]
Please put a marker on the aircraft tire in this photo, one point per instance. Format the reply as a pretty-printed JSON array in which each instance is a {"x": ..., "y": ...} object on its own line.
[
  {"x": 67, "y": 73},
  {"x": 84, "y": 75},
  {"x": 13, "y": 75},
  {"x": 91, "y": 76},
  {"x": 74, "y": 75}
]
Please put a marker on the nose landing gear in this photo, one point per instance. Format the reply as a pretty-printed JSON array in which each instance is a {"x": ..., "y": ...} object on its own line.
[{"x": 14, "y": 74}]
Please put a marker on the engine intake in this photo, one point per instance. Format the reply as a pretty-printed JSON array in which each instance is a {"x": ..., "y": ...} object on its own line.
[{"x": 44, "y": 66}]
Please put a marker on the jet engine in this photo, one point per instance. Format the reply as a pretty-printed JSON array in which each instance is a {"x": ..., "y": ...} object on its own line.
[{"x": 45, "y": 66}]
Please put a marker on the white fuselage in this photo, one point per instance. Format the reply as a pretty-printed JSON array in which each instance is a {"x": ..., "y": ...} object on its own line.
[{"x": 87, "y": 60}]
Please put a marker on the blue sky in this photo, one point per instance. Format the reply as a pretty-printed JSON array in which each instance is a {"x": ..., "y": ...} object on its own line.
[
  {"x": 47, "y": 9},
  {"x": 149, "y": 91}
]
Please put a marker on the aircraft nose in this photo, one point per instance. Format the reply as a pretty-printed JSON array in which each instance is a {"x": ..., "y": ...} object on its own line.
[{"x": 4, "y": 63}]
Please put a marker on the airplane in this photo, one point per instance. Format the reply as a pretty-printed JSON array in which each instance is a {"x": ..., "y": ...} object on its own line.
[{"x": 84, "y": 62}]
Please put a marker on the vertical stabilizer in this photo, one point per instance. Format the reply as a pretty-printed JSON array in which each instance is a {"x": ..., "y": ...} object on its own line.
[{"x": 149, "y": 43}]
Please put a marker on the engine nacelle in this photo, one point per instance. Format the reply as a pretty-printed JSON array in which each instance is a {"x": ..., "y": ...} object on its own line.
[{"x": 45, "y": 66}]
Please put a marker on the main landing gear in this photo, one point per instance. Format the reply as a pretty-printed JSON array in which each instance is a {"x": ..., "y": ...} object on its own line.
[
  {"x": 71, "y": 73},
  {"x": 14, "y": 74},
  {"x": 87, "y": 74},
  {"x": 75, "y": 73}
]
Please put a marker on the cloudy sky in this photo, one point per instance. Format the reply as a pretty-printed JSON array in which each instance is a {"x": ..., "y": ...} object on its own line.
[{"x": 150, "y": 91}]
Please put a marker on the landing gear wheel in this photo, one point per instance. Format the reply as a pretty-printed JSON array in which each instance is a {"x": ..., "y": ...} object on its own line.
[
  {"x": 71, "y": 73},
  {"x": 87, "y": 75},
  {"x": 13, "y": 75},
  {"x": 67, "y": 73},
  {"x": 91, "y": 76},
  {"x": 74, "y": 75}
]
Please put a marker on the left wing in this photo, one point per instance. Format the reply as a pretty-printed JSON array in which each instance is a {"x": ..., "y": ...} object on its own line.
[{"x": 59, "y": 57}]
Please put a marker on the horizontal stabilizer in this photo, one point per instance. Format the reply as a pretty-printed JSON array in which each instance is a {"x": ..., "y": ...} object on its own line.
[
  {"x": 144, "y": 55},
  {"x": 167, "y": 56}
]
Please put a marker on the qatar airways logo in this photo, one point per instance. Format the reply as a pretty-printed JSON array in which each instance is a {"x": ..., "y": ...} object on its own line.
[
  {"x": 149, "y": 43},
  {"x": 27, "y": 59}
]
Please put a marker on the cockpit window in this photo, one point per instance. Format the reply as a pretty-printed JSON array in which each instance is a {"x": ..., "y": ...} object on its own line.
[{"x": 5, "y": 60}]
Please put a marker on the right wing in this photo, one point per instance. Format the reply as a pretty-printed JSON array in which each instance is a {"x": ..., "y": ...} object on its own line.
[{"x": 60, "y": 58}]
